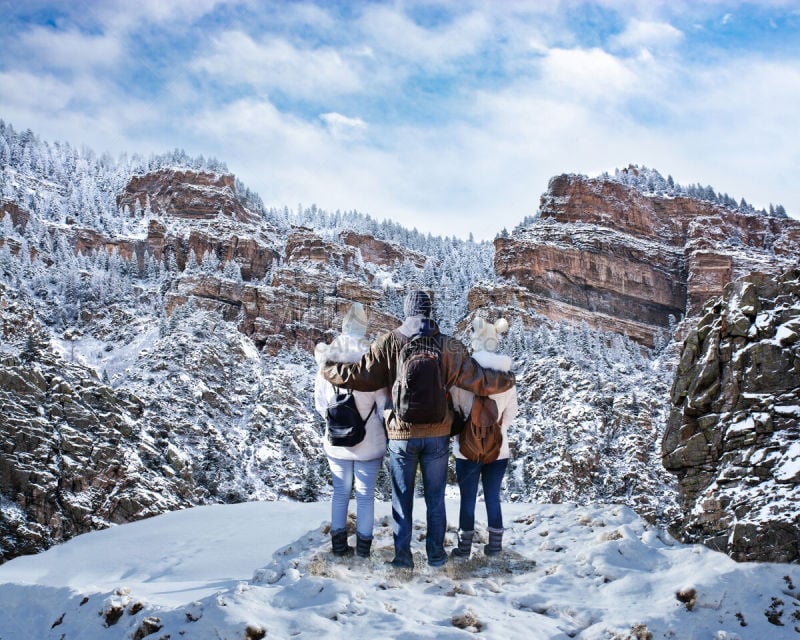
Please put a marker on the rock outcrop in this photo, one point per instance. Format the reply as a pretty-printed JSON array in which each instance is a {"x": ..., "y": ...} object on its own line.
[
  {"x": 380, "y": 252},
  {"x": 732, "y": 437},
  {"x": 625, "y": 261},
  {"x": 191, "y": 213},
  {"x": 192, "y": 195},
  {"x": 303, "y": 302}
]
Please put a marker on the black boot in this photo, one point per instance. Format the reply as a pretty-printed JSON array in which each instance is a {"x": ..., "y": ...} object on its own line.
[
  {"x": 363, "y": 546},
  {"x": 339, "y": 544},
  {"x": 495, "y": 545},
  {"x": 464, "y": 547}
]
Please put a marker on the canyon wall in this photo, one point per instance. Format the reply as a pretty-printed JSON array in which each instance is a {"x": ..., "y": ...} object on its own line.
[{"x": 625, "y": 261}]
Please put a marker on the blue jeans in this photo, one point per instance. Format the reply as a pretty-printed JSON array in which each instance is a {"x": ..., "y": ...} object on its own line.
[
  {"x": 468, "y": 474},
  {"x": 431, "y": 455},
  {"x": 343, "y": 472}
]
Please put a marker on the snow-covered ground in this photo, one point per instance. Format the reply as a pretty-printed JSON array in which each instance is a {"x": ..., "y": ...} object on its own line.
[{"x": 264, "y": 569}]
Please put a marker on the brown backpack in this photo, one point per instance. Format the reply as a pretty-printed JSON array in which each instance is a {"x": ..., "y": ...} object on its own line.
[{"x": 482, "y": 437}]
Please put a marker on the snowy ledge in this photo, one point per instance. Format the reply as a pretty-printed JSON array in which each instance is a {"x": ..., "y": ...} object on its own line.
[{"x": 567, "y": 572}]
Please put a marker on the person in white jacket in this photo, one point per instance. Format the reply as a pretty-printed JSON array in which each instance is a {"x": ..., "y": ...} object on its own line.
[
  {"x": 360, "y": 463},
  {"x": 484, "y": 345}
]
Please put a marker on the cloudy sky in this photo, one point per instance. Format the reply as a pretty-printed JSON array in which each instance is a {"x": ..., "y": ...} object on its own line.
[{"x": 450, "y": 116}]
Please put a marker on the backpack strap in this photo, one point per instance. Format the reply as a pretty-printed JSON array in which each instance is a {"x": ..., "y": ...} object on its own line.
[{"x": 339, "y": 390}]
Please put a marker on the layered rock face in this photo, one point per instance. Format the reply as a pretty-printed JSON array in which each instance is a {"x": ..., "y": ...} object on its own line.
[
  {"x": 625, "y": 261},
  {"x": 379, "y": 252},
  {"x": 291, "y": 290},
  {"x": 304, "y": 302},
  {"x": 194, "y": 195},
  {"x": 198, "y": 213},
  {"x": 732, "y": 438}
]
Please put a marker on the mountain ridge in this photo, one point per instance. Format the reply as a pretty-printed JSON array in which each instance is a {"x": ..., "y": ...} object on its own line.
[{"x": 206, "y": 308}]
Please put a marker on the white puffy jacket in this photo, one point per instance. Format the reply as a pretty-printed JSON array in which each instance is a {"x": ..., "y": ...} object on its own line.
[
  {"x": 506, "y": 402},
  {"x": 347, "y": 348}
]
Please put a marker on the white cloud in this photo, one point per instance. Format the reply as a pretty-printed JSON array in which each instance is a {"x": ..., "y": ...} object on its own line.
[
  {"x": 69, "y": 49},
  {"x": 82, "y": 111},
  {"x": 23, "y": 91},
  {"x": 736, "y": 128},
  {"x": 286, "y": 157},
  {"x": 577, "y": 74},
  {"x": 648, "y": 35},
  {"x": 124, "y": 15},
  {"x": 392, "y": 31},
  {"x": 274, "y": 63},
  {"x": 344, "y": 127}
]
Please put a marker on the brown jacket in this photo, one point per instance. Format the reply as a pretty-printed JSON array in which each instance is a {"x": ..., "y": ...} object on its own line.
[{"x": 378, "y": 369}]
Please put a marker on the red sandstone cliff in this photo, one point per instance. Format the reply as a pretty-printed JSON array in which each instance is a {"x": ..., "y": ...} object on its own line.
[
  {"x": 624, "y": 261},
  {"x": 295, "y": 286}
]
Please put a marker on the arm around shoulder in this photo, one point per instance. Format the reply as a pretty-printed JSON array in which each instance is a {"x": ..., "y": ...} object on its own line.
[
  {"x": 370, "y": 373},
  {"x": 468, "y": 374}
]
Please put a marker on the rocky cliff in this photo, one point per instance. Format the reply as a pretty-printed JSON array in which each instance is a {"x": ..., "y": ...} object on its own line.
[
  {"x": 732, "y": 437},
  {"x": 303, "y": 301},
  {"x": 73, "y": 457},
  {"x": 175, "y": 317},
  {"x": 185, "y": 213},
  {"x": 136, "y": 368},
  {"x": 622, "y": 260}
]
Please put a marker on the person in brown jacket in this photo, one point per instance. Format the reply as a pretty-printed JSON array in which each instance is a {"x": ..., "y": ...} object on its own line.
[{"x": 419, "y": 440}]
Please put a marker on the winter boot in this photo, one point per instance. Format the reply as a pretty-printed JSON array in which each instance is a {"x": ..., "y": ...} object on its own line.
[
  {"x": 363, "y": 546},
  {"x": 464, "y": 547},
  {"x": 339, "y": 544},
  {"x": 495, "y": 545}
]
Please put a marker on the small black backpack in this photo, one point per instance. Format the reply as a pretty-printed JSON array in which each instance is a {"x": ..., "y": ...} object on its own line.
[
  {"x": 346, "y": 427},
  {"x": 419, "y": 393}
]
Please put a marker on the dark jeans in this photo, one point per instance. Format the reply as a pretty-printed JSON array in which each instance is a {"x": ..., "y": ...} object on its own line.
[
  {"x": 431, "y": 455},
  {"x": 468, "y": 474}
]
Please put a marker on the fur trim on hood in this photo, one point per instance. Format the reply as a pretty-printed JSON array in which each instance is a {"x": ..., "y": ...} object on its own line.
[{"x": 491, "y": 360}]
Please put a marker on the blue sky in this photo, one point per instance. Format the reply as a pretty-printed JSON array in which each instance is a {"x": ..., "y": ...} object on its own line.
[{"x": 447, "y": 116}]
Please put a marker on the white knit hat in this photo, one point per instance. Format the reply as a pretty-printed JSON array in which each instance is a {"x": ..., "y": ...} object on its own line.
[
  {"x": 355, "y": 321},
  {"x": 485, "y": 336}
]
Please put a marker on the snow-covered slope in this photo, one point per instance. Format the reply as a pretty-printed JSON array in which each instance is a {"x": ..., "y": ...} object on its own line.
[
  {"x": 264, "y": 570},
  {"x": 200, "y": 306}
]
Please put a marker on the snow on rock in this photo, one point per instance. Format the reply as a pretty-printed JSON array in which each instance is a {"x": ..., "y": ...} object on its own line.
[
  {"x": 170, "y": 305},
  {"x": 732, "y": 434}
]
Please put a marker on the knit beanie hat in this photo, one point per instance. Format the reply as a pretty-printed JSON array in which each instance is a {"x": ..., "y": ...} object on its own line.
[
  {"x": 485, "y": 336},
  {"x": 355, "y": 321},
  {"x": 417, "y": 303}
]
